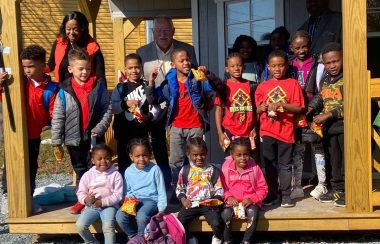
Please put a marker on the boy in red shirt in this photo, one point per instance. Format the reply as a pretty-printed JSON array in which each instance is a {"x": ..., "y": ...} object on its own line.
[
  {"x": 40, "y": 93},
  {"x": 277, "y": 100}
]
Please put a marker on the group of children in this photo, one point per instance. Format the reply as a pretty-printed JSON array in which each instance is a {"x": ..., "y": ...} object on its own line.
[{"x": 81, "y": 109}]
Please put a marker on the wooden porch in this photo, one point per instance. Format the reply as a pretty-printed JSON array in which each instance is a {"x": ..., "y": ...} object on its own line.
[{"x": 362, "y": 198}]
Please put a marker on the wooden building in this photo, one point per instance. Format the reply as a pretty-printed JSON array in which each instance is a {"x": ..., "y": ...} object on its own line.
[{"x": 211, "y": 38}]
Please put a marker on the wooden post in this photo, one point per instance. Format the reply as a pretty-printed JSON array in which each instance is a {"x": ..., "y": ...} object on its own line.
[
  {"x": 357, "y": 120},
  {"x": 90, "y": 9},
  {"x": 15, "y": 142},
  {"x": 118, "y": 40}
]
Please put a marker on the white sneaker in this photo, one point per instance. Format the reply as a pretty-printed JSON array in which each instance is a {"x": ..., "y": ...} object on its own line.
[
  {"x": 318, "y": 191},
  {"x": 216, "y": 240},
  {"x": 297, "y": 192},
  {"x": 192, "y": 240}
]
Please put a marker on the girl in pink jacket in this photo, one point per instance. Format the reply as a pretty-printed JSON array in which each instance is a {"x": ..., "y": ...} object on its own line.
[
  {"x": 244, "y": 188},
  {"x": 100, "y": 190}
]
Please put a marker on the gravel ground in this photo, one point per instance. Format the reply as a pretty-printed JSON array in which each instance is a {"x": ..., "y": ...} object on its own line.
[{"x": 276, "y": 237}]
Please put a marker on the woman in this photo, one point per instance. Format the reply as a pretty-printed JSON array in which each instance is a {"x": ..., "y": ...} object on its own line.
[{"x": 74, "y": 33}]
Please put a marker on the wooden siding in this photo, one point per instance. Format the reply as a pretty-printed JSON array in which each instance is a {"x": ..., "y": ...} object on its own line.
[
  {"x": 183, "y": 30},
  {"x": 136, "y": 39}
]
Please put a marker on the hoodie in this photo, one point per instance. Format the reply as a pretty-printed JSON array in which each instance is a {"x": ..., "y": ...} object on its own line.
[
  {"x": 248, "y": 184},
  {"x": 107, "y": 186}
]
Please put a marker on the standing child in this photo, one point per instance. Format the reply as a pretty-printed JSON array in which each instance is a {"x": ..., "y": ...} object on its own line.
[
  {"x": 82, "y": 111},
  {"x": 40, "y": 93},
  {"x": 244, "y": 185},
  {"x": 329, "y": 102},
  {"x": 199, "y": 189},
  {"x": 304, "y": 69},
  {"x": 143, "y": 180},
  {"x": 277, "y": 100},
  {"x": 236, "y": 99},
  {"x": 188, "y": 100},
  {"x": 101, "y": 190},
  {"x": 131, "y": 109}
]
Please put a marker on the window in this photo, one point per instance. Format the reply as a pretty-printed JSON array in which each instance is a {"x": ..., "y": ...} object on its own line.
[
  {"x": 255, "y": 18},
  {"x": 373, "y": 17}
]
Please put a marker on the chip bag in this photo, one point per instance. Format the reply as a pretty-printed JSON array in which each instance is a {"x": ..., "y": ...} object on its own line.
[
  {"x": 317, "y": 129},
  {"x": 129, "y": 206},
  {"x": 135, "y": 111},
  {"x": 301, "y": 121},
  {"x": 199, "y": 75},
  {"x": 211, "y": 202},
  {"x": 239, "y": 211}
]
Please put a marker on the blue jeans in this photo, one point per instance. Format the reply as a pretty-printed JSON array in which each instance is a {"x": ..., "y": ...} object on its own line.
[
  {"x": 135, "y": 225},
  {"x": 89, "y": 216}
]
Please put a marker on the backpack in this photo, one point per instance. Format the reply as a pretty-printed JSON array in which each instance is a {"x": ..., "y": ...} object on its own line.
[
  {"x": 175, "y": 228},
  {"x": 156, "y": 232},
  {"x": 51, "y": 88},
  {"x": 214, "y": 176}
]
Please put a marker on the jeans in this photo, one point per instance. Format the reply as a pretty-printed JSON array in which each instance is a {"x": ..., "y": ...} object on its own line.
[
  {"x": 135, "y": 225},
  {"x": 89, "y": 216}
]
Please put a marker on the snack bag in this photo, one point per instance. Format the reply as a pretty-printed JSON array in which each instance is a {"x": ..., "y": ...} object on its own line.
[
  {"x": 211, "y": 202},
  {"x": 199, "y": 75},
  {"x": 135, "y": 111},
  {"x": 129, "y": 206},
  {"x": 317, "y": 129},
  {"x": 239, "y": 211},
  {"x": 58, "y": 153},
  {"x": 253, "y": 143},
  {"x": 226, "y": 142},
  {"x": 301, "y": 121}
]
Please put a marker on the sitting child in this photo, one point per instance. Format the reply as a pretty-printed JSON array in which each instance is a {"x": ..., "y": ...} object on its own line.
[
  {"x": 143, "y": 181},
  {"x": 200, "y": 189},
  {"x": 100, "y": 189},
  {"x": 244, "y": 186}
]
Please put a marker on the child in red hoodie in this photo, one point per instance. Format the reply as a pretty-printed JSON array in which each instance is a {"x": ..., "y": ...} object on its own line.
[{"x": 244, "y": 184}]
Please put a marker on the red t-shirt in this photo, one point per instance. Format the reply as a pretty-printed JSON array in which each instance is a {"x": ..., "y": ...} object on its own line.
[
  {"x": 37, "y": 116},
  {"x": 82, "y": 92},
  {"x": 239, "y": 118},
  {"x": 281, "y": 128},
  {"x": 186, "y": 115}
]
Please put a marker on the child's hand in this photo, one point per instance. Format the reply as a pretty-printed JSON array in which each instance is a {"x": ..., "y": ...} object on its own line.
[
  {"x": 142, "y": 119},
  {"x": 186, "y": 202},
  {"x": 153, "y": 75},
  {"x": 3, "y": 77},
  {"x": 321, "y": 118},
  {"x": 203, "y": 69},
  {"x": 262, "y": 108},
  {"x": 97, "y": 203},
  {"x": 132, "y": 103},
  {"x": 222, "y": 137},
  {"x": 231, "y": 201},
  {"x": 90, "y": 199},
  {"x": 246, "y": 202}
]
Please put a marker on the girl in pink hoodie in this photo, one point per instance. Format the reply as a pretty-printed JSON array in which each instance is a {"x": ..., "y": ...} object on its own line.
[
  {"x": 244, "y": 184},
  {"x": 100, "y": 190}
]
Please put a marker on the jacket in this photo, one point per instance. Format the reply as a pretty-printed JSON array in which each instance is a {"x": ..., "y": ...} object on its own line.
[
  {"x": 198, "y": 92},
  {"x": 240, "y": 186},
  {"x": 107, "y": 186},
  {"x": 66, "y": 123}
]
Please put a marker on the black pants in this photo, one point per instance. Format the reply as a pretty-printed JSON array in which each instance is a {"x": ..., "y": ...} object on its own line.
[
  {"x": 277, "y": 154},
  {"x": 123, "y": 158},
  {"x": 335, "y": 146},
  {"x": 212, "y": 215},
  {"x": 252, "y": 214},
  {"x": 160, "y": 150},
  {"x": 34, "y": 150},
  {"x": 80, "y": 158}
]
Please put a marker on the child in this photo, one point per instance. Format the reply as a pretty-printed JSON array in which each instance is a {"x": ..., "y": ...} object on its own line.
[
  {"x": 144, "y": 181},
  {"x": 40, "y": 93},
  {"x": 101, "y": 190},
  {"x": 329, "y": 102},
  {"x": 304, "y": 69},
  {"x": 131, "y": 109},
  {"x": 277, "y": 100},
  {"x": 82, "y": 113},
  {"x": 188, "y": 98},
  {"x": 244, "y": 184},
  {"x": 236, "y": 99},
  {"x": 247, "y": 47},
  {"x": 197, "y": 184}
]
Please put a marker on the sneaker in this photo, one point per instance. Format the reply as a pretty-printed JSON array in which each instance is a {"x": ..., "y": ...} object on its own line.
[
  {"x": 76, "y": 208},
  {"x": 331, "y": 196},
  {"x": 341, "y": 201},
  {"x": 297, "y": 193},
  {"x": 193, "y": 240},
  {"x": 286, "y": 202},
  {"x": 271, "y": 202},
  {"x": 36, "y": 208},
  {"x": 318, "y": 191},
  {"x": 216, "y": 240}
]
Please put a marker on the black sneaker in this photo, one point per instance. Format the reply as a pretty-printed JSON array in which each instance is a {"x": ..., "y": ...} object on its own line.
[
  {"x": 271, "y": 202},
  {"x": 341, "y": 200},
  {"x": 331, "y": 196},
  {"x": 287, "y": 202}
]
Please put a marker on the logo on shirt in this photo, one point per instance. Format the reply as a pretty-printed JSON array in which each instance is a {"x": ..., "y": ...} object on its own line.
[
  {"x": 136, "y": 94},
  {"x": 277, "y": 94},
  {"x": 241, "y": 103}
]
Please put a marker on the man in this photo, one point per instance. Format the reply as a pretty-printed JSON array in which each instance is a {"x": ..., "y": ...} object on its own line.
[
  {"x": 154, "y": 54},
  {"x": 323, "y": 25}
]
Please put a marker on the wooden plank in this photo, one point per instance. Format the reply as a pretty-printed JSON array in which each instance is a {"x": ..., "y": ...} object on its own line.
[
  {"x": 375, "y": 88},
  {"x": 15, "y": 142},
  {"x": 376, "y": 198},
  {"x": 118, "y": 38},
  {"x": 90, "y": 8},
  {"x": 357, "y": 114},
  {"x": 130, "y": 25}
]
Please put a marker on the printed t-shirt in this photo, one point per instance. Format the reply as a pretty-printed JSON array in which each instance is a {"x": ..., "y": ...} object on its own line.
[{"x": 302, "y": 72}]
